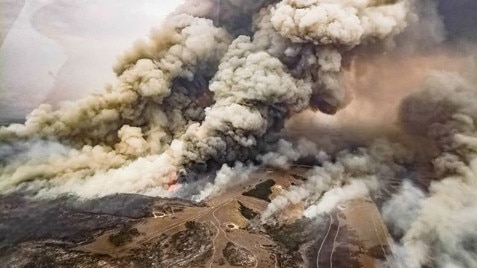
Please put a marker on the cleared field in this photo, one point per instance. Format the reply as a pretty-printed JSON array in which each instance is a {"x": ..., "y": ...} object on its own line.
[
  {"x": 355, "y": 237},
  {"x": 222, "y": 216}
]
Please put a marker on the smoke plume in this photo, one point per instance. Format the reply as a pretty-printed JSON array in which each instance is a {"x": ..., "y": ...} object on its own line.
[{"x": 370, "y": 91}]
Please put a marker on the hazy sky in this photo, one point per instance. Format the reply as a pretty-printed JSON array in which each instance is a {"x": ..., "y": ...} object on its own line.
[{"x": 53, "y": 50}]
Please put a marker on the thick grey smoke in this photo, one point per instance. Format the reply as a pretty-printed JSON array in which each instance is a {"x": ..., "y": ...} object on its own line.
[
  {"x": 444, "y": 231},
  {"x": 224, "y": 86},
  {"x": 194, "y": 96}
]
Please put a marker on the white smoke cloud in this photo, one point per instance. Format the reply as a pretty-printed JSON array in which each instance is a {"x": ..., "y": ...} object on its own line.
[
  {"x": 226, "y": 178},
  {"x": 339, "y": 22},
  {"x": 403, "y": 208},
  {"x": 94, "y": 124},
  {"x": 444, "y": 230},
  {"x": 366, "y": 172},
  {"x": 332, "y": 198}
]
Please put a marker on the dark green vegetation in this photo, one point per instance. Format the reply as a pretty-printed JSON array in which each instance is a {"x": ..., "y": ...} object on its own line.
[
  {"x": 124, "y": 236},
  {"x": 291, "y": 237},
  {"x": 238, "y": 256},
  {"x": 66, "y": 219},
  {"x": 25, "y": 225},
  {"x": 191, "y": 246},
  {"x": 247, "y": 212},
  {"x": 261, "y": 190}
]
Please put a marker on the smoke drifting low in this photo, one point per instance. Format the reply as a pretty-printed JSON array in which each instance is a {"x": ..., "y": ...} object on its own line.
[{"x": 370, "y": 90}]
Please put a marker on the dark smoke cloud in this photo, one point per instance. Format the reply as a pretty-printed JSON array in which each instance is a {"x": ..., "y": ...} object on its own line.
[{"x": 459, "y": 19}]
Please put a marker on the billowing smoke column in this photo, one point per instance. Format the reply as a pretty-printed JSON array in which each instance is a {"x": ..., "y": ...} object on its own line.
[
  {"x": 215, "y": 85},
  {"x": 444, "y": 230},
  {"x": 200, "y": 94}
]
